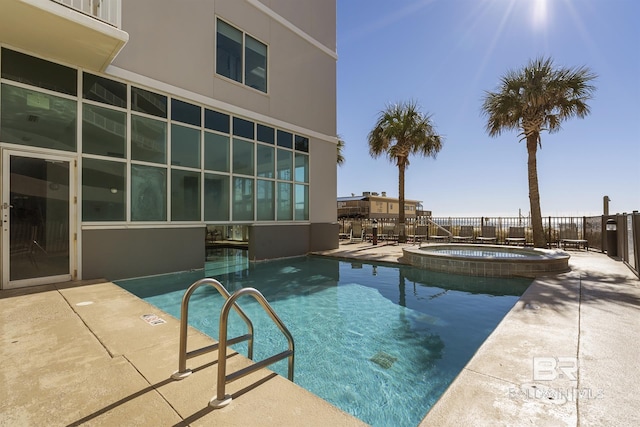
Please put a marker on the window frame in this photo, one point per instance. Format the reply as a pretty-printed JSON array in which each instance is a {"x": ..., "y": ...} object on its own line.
[{"x": 243, "y": 58}]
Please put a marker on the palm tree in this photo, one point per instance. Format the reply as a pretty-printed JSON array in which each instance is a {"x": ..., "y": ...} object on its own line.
[
  {"x": 402, "y": 130},
  {"x": 538, "y": 97},
  {"x": 340, "y": 148}
]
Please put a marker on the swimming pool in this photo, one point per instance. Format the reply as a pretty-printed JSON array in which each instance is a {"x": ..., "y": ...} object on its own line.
[
  {"x": 381, "y": 342},
  {"x": 487, "y": 260}
]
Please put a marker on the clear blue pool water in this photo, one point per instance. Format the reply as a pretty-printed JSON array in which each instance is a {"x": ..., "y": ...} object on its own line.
[
  {"x": 381, "y": 342},
  {"x": 480, "y": 252}
]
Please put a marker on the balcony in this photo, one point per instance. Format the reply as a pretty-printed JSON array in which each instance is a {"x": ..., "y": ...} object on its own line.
[{"x": 85, "y": 33}]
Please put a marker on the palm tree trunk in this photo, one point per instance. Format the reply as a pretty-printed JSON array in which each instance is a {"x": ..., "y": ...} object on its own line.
[
  {"x": 539, "y": 240},
  {"x": 402, "y": 237}
]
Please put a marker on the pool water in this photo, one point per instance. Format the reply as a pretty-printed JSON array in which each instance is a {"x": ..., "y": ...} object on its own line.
[
  {"x": 381, "y": 342},
  {"x": 480, "y": 252}
]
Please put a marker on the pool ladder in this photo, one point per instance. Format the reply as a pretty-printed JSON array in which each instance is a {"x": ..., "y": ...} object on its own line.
[{"x": 221, "y": 399}]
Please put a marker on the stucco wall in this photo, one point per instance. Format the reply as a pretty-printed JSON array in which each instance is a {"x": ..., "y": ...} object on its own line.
[
  {"x": 175, "y": 44},
  {"x": 120, "y": 254}
]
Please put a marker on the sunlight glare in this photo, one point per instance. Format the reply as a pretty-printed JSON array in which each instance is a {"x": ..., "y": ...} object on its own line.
[{"x": 539, "y": 13}]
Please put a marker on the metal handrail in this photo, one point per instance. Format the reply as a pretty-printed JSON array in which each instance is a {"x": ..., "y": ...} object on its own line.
[
  {"x": 183, "y": 355},
  {"x": 222, "y": 399}
]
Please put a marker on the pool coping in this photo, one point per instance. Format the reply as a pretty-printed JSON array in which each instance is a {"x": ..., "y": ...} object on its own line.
[{"x": 537, "y": 262}]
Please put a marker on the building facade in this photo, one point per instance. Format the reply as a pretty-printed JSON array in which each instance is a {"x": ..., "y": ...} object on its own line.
[
  {"x": 129, "y": 127},
  {"x": 372, "y": 205}
]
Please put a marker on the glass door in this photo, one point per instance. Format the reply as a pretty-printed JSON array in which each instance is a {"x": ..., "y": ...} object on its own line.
[{"x": 37, "y": 219}]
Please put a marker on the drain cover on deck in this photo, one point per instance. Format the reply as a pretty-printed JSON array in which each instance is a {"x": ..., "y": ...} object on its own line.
[
  {"x": 152, "y": 319},
  {"x": 383, "y": 359}
]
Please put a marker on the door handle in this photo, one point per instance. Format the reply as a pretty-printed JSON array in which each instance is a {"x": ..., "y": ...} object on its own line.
[{"x": 5, "y": 205}]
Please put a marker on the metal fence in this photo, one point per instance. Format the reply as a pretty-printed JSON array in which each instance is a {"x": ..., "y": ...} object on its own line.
[{"x": 592, "y": 229}]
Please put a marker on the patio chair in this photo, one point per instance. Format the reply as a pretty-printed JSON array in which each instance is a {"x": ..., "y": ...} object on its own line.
[
  {"x": 488, "y": 234},
  {"x": 569, "y": 236},
  {"x": 357, "y": 232},
  {"x": 443, "y": 234},
  {"x": 516, "y": 236},
  {"x": 466, "y": 234}
]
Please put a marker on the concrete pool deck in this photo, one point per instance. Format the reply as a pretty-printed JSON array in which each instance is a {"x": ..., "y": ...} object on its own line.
[{"x": 80, "y": 353}]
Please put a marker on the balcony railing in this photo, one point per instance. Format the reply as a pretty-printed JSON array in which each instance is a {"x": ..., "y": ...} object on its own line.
[{"x": 108, "y": 11}]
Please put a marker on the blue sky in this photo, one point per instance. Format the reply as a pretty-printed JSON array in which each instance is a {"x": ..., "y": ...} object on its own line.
[{"x": 445, "y": 54}]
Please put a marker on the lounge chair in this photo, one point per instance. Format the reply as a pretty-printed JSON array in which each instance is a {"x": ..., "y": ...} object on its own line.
[
  {"x": 516, "y": 236},
  {"x": 443, "y": 234},
  {"x": 466, "y": 234},
  {"x": 420, "y": 234},
  {"x": 488, "y": 234},
  {"x": 569, "y": 236},
  {"x": 357, "y": 232}
]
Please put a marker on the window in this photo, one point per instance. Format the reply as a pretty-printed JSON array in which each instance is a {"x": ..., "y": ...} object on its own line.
[
  {"x": 243, "y": 128},
  {"x": 148, "y": 140},
  {"x": 285, "y": 163},
  {"x": 216, "y": 152},
  {"x": 285, "y": 201},
  {"x": 185, "y": 112},
  {"x": 242, "y": 157},
  {"x": 185, "y": 146},
  {"x": 266, "y": 160},
  {"x": 285, "y": 139},
  {"x": 148, "y": 193},
  {"x": 255, "y": 73},
  {"x": 37, "y": 119},
  {"x": 302, "y": 168},
  {"x": 302, "y": 202},
  {"x": 185, "y": 195},
  {"x": 229, "y": 57},
  {"x": 104, "y": 90},
  {"x": 266, "y": 134},
  {"x": 147, "y": 102},
  {"x": 216, "y": 121},
  {"x": 216, "y": 197},
  {"x": 27, "y": 69},
  {"x": 265, "y": 200},
  {"x": 242, "y": 199},
  {"x": 103, "y": 131},
  {"x": 103, "y": 190},
  {"x": 302, "y": 143}
]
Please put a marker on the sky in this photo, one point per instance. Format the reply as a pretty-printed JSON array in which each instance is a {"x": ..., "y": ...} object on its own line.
[{"x": 445, "y": 55}]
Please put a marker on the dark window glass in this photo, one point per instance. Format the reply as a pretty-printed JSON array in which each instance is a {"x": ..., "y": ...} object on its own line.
[
  {"x": 185, "y": 112},
  {"x": 229, "y": 51},
  {"x": 104, "y": 90},
  {"x": 256, "y": 64},
  {"x": 285, "y": 139},
  {"x": 266, "y": 134},
  {"x": 243, "y": 128},
  {"x": 185, "y": 146},
  {"x": 216, "y": 152},
  {"x": 148, "y": 139},
  {"x": 27, "y": 69},
  {"x": 185, "y": 195},
  {"x": 104, "y": 192},
  {"x": 216, "y": 121},
  {"x": 148, "y": 102},
  {"x": 216, "y": 197},
  {"x": 265, "y": 200},
  {"x": 243, "y": 157},
  {"x": 302, "y": 143},
  {"x": 242, "y": 204},
  {"x": 148, "y": 193},
  {"x": 37, "y": 119},
  {"x": 104, "y": 131}
]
